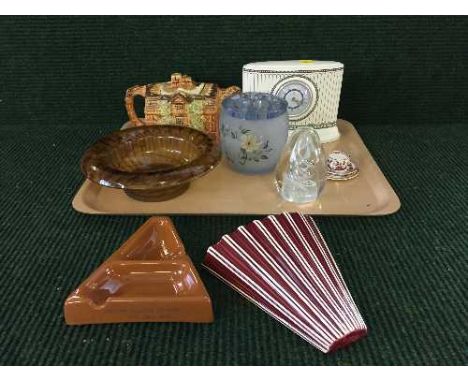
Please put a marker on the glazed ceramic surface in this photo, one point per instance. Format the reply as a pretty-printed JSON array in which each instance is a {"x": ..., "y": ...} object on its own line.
[
  {"x": 338, "y": 161},
  {"x": 180, "y": 101},
  {"x": 283, "y": 265},
  {"x": 340, "y": 166},
  {"x": 254, "y": 129},
  {"x": 311, "y": 88},
  {"x": 149, "y": 278},
  {"x": 151, "y": 163}
]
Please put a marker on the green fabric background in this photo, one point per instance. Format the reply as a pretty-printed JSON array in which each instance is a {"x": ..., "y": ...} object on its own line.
[{"x": 61, "y": 87}]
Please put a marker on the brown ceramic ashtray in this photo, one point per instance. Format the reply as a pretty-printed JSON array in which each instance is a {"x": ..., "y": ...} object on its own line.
[
  {"x": 148, "y": 279},
  {"x": 151, "y": 163}
]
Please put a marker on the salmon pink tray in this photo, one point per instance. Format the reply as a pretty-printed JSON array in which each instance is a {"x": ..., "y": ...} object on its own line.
[{"x": 226, "y": 192}]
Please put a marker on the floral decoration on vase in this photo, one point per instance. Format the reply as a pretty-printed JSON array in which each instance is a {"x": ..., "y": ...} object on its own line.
[{"x": 252, "y": 147}]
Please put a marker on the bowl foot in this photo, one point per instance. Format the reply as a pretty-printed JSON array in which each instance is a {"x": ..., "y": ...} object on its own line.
[{"x": 159, "y": 195}]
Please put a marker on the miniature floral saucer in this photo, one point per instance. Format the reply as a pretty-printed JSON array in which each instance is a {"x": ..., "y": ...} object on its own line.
[{"x": 349, "y": 176}]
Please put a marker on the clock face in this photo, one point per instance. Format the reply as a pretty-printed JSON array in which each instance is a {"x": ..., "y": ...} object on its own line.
[{"x": 300, "y": 96}]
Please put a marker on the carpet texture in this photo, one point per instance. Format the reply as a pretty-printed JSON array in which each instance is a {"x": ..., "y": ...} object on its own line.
[{"x": 62, "y": 88}]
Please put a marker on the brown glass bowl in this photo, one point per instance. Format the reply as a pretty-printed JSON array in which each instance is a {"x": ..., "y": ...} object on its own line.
[{"x": 151, "y": 163}]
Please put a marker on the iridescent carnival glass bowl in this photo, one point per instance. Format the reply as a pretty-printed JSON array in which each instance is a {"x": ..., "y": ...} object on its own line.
[{"x": 150, "y": 163}]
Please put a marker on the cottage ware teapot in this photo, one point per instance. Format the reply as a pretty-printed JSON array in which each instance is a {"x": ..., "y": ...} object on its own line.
[{"x": 179, "y": 101}]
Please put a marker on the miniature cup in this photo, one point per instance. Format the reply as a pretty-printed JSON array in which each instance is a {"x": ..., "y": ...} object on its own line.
[
  {"x": 254, "y": 129},
  {"x": 339, "y": 162}
]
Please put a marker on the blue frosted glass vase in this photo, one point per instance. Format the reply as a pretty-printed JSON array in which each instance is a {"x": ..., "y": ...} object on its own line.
[{"x": 254, "y": 129}]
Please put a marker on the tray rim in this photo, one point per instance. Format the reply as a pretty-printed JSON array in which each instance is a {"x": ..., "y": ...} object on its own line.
[{"x": 392, "y": 206}]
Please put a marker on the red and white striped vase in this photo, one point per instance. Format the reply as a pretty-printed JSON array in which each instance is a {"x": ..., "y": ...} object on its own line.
[{"x": 283, "y": 265}]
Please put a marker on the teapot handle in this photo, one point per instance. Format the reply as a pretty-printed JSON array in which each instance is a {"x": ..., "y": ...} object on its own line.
[{"x": 129, "y": 105}]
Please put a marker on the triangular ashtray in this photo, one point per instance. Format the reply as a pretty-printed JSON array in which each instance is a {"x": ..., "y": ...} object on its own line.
[{"x": 149, "y": 278}]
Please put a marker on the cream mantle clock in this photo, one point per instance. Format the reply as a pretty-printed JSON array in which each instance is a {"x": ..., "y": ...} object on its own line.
[{"x": 311, "y": 88}]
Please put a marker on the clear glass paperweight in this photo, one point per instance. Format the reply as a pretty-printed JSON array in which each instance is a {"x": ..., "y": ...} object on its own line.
[{"x": 301, "y": 172}]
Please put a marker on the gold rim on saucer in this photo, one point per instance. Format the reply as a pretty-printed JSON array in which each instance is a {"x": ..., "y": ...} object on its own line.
[{"x": 348, "y": 176}]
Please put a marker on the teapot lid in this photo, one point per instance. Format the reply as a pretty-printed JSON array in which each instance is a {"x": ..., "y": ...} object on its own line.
[{"x": 182, "y": 84}]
